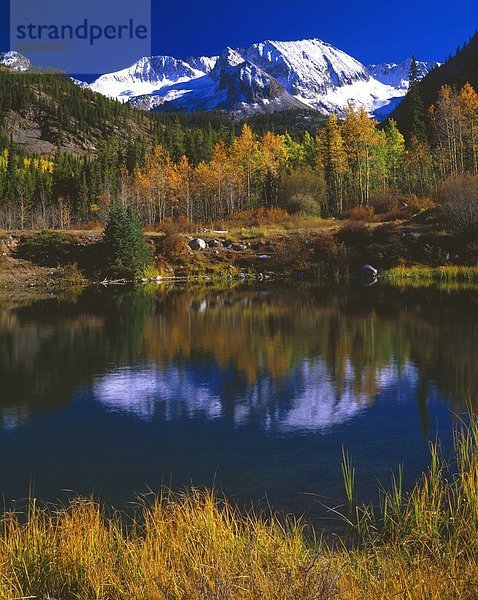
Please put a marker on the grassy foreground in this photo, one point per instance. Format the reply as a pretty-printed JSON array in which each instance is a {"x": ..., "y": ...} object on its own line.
[{"x": 423, "y": 545}]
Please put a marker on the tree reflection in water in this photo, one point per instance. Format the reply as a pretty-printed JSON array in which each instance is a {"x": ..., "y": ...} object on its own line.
[{"x": 284, "y": 356}]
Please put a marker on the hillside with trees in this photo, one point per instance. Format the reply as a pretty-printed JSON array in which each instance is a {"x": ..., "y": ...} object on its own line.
[
  {"x": 458, "y": 70},
  {"x": 45, "y": 112},
  {"x": 205, "y": 167}
]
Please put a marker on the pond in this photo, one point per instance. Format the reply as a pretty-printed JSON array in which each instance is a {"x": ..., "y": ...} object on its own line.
[{"x": 254, "y": 390}]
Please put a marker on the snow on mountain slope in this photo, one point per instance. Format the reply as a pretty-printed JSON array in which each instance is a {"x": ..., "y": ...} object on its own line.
[
  {"x": 229, "y": 59},
  {"x": 147, "y": 75},
  {"x": 79, "y": 83},
  {"x": 397, "y": 75},
  {"x": 328, "y": 79},
  {"x": 377, "y": 98},
  {"x": 307, "y": 68},
  {"x": 15, "y": 60},
  {"x": 205, "y": 64},
  {"x": 322, "y": 76},
  {"x": 233, "y": 84},
  {"x": 194, "y": 95},
  {"x": 267, "y": 76}
]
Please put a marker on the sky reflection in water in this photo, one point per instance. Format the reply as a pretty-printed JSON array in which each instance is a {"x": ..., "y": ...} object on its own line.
[{"x": 306, "y": 400}]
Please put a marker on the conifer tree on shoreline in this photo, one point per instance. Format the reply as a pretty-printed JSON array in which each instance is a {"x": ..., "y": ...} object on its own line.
[{"x": 127, "y": 253}]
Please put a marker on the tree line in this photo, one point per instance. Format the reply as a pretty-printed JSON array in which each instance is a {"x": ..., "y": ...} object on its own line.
[{"x": 204, "y": 173}]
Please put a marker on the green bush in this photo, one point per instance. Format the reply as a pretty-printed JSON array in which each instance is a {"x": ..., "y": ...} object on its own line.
[{"x": 304, "y": 204}]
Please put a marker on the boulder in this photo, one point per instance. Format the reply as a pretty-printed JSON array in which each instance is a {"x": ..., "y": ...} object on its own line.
[
  {"x": 368, "y": 271},
  {"x": 369, "y": 282},
  {"x": 197, "y": 244}
]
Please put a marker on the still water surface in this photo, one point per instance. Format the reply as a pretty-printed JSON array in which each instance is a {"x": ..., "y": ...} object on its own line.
[{"x": 253, "y": 390}]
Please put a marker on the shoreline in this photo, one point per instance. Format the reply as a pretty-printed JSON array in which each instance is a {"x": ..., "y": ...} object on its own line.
[{"x": 55, "y": 261}]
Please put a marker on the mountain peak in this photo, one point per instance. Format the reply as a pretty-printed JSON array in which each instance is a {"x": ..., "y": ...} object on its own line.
[
  {"x": 230, "y": 57},
  {"x": 145, "y": 76},
  {"x": 269, "y": 75},
  {"x": 307, "y": 68},
  {"x": 14, "y": 60},
  {"x": 397, "y": 74},
  {"x": 202, "y": 63}
]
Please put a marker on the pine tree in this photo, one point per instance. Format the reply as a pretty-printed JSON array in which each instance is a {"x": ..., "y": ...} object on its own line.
[
  {"x": 126, "y": 251},
  {"x": 417, "y": 126}
]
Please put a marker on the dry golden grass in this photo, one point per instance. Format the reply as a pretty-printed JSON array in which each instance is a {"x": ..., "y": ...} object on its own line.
[
  {"x": 187, "y": 546},
  {"x": 424, "y": 545}
]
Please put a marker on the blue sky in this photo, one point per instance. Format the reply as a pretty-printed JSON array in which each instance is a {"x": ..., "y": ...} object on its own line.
[{"x": 371, "y": 31}]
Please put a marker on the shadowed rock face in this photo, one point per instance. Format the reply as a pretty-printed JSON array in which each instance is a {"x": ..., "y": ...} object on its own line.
[{"x": 245, "y": 83}]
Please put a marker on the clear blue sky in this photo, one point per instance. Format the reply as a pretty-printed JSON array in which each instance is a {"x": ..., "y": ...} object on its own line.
[{"x": 371, "y": 31}]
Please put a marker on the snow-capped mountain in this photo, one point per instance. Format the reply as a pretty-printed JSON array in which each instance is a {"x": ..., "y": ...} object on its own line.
[
  {"x": 15, "y": 60},
  {"x": 245, "y": 86},
  {"x": 146, "y": 76},
  {"x": 397, "y": 75},
  {"x": 233, "y": 84},
  {"x": 308, "y": 68},
  {"x": 320, "y": 75},
  {"x": 79, "y": 83},
  {"x": 267, "y": 76}
]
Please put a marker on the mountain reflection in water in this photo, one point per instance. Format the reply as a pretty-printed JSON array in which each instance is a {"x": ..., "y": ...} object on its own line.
[
  {"x": 307, "y": 399},
  {"x": 116, "y": 390}
]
